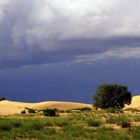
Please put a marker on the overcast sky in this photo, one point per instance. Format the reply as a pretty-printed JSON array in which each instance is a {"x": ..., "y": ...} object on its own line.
[{"x": 64, "y": 49}]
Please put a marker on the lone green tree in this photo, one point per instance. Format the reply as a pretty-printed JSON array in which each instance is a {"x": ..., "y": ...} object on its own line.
[{"x": 112, "y": 96}]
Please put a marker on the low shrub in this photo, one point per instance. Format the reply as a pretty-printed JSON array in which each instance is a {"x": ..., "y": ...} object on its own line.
[
  {"x": 23, "y": 112},
  {"x": 114, "y": 110},
  {"x": 121, "y": 120},
  {"x": 94, "y": 123},
  {"x": 61, "y": 111},
  {"x": 50, "y": 112},
  {"x": 112, "y": 119},
  {"x": 136, "y": 118},
  {"x": 38, "y": 125},
  {"x": 16, "y": 123},
  {"x": 61, "y": 123},
  {"x": 85, "y": 109},
  {"x": 125, "y": 124},
  {"x": 5, "y": 125}
]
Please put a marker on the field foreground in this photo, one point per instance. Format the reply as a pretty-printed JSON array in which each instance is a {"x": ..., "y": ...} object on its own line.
[
  {"x": 77, "y": 125},
  {"x": 73, "y": 123}
]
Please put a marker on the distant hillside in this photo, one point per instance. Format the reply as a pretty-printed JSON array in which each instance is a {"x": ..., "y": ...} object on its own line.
[{"x": 10, "y": 107}]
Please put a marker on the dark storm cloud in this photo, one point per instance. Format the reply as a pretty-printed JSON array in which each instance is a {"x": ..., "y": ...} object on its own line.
[{"x": 50, "y": 31}]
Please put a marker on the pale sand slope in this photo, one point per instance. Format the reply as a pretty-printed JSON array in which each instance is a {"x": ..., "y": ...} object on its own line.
[
  {"x": 135, "y": 102},
  {"x": 10, "y": 107}
]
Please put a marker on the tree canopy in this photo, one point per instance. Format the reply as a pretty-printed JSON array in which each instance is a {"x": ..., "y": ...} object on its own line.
[{"x": 112, "y": 96}]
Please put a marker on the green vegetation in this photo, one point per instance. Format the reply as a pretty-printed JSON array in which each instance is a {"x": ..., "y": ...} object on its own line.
[
  {"x": 112, "y": 96},
  {"x": 94, "y": 122},
  {"x": 84, "y": 109},
  {"x": 83, "y": 125},
  {"x": 50, "y": 112}
]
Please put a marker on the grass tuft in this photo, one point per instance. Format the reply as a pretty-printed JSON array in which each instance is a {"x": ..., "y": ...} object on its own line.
[{"x": 94, "y": 123}]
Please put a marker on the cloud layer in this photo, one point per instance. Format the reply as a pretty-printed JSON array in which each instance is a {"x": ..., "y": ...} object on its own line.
[
  {"x": 121, "y": 53},
  {"x": 40, "y": 31}
]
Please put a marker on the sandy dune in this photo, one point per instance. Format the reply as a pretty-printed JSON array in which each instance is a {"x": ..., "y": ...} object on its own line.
[
  {"x": 11, "y": 107},
  {"x": 135, "y": 103}
]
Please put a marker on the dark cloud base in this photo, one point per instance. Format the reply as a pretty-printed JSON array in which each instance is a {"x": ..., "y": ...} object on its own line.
[{"x": 68, "y": 50}]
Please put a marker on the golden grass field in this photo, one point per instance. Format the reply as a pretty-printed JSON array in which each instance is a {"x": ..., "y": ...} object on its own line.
[{"x": 72, "y": 123}]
